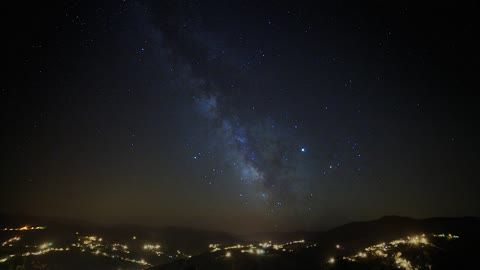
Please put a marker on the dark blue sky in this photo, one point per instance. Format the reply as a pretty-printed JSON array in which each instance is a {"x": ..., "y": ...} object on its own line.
[{"x": 195, "y": 113}]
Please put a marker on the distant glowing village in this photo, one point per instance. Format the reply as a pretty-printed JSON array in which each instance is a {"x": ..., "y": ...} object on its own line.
[{"x": 98, "y": 246}]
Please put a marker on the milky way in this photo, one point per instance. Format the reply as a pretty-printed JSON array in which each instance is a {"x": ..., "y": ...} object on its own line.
[
  {"x": 263, "y": 154},
  {"x": 239, "y": 115}
]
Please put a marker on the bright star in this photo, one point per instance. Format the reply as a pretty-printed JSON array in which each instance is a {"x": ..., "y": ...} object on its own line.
[{"x": 303, "y": 149}]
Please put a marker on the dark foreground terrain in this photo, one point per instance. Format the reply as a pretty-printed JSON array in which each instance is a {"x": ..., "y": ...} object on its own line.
[{"x": 387, "y": 243}]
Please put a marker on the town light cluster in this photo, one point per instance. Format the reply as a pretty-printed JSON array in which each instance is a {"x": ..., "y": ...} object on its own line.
[
  {"x": 257, "y": 249},
  {"x": 90, "y": 244},
  {"x": 389, "y": 250}
]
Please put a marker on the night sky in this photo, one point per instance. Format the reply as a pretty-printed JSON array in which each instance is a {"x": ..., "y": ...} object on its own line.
[{"x": 239, "y": 115}]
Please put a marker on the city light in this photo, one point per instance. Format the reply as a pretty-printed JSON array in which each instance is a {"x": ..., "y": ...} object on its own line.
[
  {"x": 25, "y": 228},
  {"x": 44, "y": 246},
  {"x": 402, "y": 262},
  {"x": 260, "y": 251},
  {"x": 362, "y": 254},
  {"x": 10, "y": 241}
]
